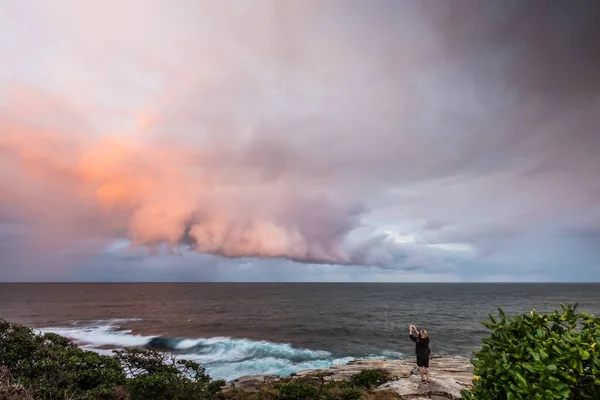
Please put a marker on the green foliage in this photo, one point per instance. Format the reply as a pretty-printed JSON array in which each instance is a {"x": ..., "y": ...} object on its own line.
[
  {"x": 539, "y": 356},
  {"x": 53, "y": 367},
  {"x": 156, "y": 375},
  {"x": 297, "y": 391},
  {"x": 370, "y": 378},
  {"x": 341, "y": 391},
  {"x": 8, "y": 391},
  {"x": 313, "y": 388}
]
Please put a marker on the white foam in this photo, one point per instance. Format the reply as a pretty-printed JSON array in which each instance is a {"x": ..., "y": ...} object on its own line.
[
  {"x": 188, "y": 343},
  {"x": 100, "y": 333},
  {"x": 223, "y": 357},
  {"x": 224, "y": 349}
]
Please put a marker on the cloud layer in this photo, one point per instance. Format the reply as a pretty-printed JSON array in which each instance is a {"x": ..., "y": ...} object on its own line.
[{"x": 403, "y": 135}]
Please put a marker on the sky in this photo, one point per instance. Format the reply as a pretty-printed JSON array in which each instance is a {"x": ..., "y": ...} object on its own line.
[{"x": 380, "y": 141}]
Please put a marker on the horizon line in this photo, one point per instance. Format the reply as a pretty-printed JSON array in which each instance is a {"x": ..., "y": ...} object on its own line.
[{"x": 297, "y": 282}]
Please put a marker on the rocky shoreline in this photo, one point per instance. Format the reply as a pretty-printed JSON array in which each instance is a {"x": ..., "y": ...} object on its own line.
[{"x": 449, "y": 375}]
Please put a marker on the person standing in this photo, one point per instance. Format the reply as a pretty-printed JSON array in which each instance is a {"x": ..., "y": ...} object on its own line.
[{"x": 421, "y": 339}]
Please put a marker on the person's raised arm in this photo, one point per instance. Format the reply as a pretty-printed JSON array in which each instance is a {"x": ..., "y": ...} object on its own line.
[{"x": 410, "y": 334}]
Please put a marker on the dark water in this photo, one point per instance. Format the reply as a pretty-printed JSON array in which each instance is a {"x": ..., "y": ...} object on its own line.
[{"x": 237, "y": 329}]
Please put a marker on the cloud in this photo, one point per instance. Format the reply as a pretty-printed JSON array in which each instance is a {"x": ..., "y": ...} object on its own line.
[{"x": 317, "y": 132}]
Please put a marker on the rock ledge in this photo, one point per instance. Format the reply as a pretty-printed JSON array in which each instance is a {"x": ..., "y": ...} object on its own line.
[{"x": 449, "y": 375}]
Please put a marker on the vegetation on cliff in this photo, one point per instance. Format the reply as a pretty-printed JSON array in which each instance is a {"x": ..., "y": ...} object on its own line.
[
  {"x": 49, "y": 366},
  {"x": 539, "y": 356},
  {"x": 360, "y": 386}
]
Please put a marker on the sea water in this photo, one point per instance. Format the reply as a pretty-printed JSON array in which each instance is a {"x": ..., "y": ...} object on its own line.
[{"x": 241, "y": 329}]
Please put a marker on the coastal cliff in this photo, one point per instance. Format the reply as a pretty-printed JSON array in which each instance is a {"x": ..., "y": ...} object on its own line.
[{"x": 449, "y": 375}]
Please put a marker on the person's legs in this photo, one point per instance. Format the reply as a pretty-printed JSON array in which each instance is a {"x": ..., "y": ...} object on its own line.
[
  {"x": 426, "y": 365},
  {"x": 420, "y": 364},
  {"x": 427, "y": 372}
]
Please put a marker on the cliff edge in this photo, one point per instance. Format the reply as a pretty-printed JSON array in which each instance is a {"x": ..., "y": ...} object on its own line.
[{"x": 449, "y": 375}]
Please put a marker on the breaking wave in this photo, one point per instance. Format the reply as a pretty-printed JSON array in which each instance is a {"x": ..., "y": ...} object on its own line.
[{"x": 223, "y": 357}]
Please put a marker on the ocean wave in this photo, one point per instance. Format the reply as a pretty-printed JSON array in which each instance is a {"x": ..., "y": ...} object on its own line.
[
  {"x": 226, "y": 349},
  {"x": 100, "y": 333},
  {"x": 223, "y": 357}
]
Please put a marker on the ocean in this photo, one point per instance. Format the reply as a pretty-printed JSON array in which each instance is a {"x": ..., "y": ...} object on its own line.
[{"x": 236, "y": 329}]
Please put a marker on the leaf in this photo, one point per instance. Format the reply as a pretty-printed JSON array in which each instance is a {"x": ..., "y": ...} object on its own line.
[
  {"x": 521, "y": 381},
  {"x": 539, "y": 333},
  {"x": 551, "y": 367},
  {"x": 556, "y": 349},
  {"x": 579, "y": 366},
  {"x": 502, "y": 315},
  {"x": 513, "y": 388},
  {"x": 529, "y": 367},
  {"x": 565, "y": 392},
  {"x": 564, "y": 309}
]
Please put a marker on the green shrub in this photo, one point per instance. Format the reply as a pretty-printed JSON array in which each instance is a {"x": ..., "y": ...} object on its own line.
[
  {"x": 297, "y": 391},
  {"x": 347, "y": 392},
  {"x": 159, "y": 376},
  {"x": 53, "y": 367},
  {"x": 310, "y": 388},
  {"x": 351, "y": 394},
  {"x": 340, "y": 390},
  {"x": 8, "y": 391},
  {"x": 370, "y": 378},
  {"x": 539, "y": 356}
]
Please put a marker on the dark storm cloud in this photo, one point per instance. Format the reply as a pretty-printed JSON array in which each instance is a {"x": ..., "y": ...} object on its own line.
[{"x": 549, "y": 49}]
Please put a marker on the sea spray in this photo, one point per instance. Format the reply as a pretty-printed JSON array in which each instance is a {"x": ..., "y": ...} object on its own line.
[{"x": 223, "y": 357}]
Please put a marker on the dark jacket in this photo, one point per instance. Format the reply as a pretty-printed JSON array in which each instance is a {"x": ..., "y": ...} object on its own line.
[{"x": 422, "y": 348}]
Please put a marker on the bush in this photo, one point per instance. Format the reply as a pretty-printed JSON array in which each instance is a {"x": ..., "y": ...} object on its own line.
[
  {"x": 53, "y": 367},
  {"x": 538, "y": 356},
  {"x": 370, "y": 378},
  {"x": 8, "y": 391},
  {"x": 341, "y": 391},
  {"x": 310, "y": 388},
  {"x": 297, "y": 391},
  {"x": 159, "y": 376}
]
